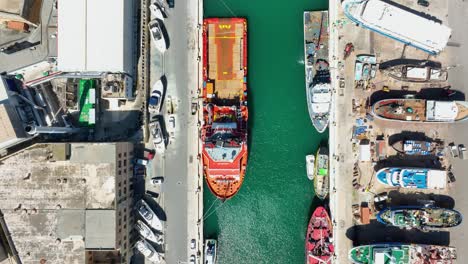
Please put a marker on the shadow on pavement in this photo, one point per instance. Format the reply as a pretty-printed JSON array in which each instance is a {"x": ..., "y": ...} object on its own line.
[
  {"x": 376, "y": 232},
  {"x": 431, "y": 162},
  {"x": 412, "y": 199}
]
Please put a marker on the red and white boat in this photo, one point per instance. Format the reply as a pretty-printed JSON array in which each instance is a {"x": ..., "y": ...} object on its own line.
[
  {"x": 225, "y": 111},
  {"x": 319, "y": 247}
]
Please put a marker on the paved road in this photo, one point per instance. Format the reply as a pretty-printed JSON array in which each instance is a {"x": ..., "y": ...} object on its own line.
[
  {"x": 179, "y": 163},
  {"x": 458, "y": 9}
]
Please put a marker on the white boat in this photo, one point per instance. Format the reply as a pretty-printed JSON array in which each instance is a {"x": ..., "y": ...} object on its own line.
[
  {"x": 149, "y": 216},
  {"x": 157, "y": 35},
  {"x": 317, "y": 73},
  {"x": 210, "y": 251},
  {"x": 399, "y": 24},
  {"x": 146, "y": 232},
  {"x": 156, "y": 97},
  {"x": 148, "y": 251},
  {"x": 310, "y": 163},
  {"x": 156, "y": 11},
  {"x": 158, "y": 138}
]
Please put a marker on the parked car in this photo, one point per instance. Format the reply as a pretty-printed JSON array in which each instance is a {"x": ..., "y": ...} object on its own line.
[
  {"x": 170, "y": 3},
  {"x": 171, "y": 124},
  {"x": 157, "y": 180},
  {"x": 194, "y": 108},
  {"x": 453, "y": 150},
  {"x": 424, "y": 3},
  {"x": 193, "y": 259},
  {"x": 462, "y": 152},
  {"x": 193, "y": 243},
  {"x": 154, "y": 102}
]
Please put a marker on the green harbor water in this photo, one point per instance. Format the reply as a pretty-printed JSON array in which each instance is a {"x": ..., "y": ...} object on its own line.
[{"x": 267, "y": 220}]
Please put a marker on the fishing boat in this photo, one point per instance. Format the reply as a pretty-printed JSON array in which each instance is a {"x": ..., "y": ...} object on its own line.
[
  {"x": 401, "y": 24},
  {"x": 157, "y": 35},
  {"x": 417, "y": 178},
  {"x": 148, "y": 251},
  {"x": 310, "y": 162},
  {"x": 210, "y": 251},
  {"x": 149, "y": 216},
  {"x": 417, "y": 147},
  {"x": 146, "y": 232},
  {"x": 321, "y": 180},
  {"x": 317, "y": 71},
  {"x": 397, "y": 253},
  {"x": 225, "y": 110},
  {"x": 409, "y": 70},
  {"x": 419, "y": 217},
  {"x": 319, "y": 247},
  {"x": 420, "y": 110}
]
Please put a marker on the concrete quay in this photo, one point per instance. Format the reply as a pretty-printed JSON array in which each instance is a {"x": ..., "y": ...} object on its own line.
[{"x": 349, "y": 104}]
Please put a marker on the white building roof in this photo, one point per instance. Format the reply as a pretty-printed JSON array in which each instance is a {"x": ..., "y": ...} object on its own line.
[
  {"x": 406, "y": 25},
  {"x": 95, "y": 36},
  {"x": 436, "y": 179}
]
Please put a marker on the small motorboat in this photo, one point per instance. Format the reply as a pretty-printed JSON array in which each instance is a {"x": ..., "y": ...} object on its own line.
[
  {"x": 310, "y": 163},
  {"x": 148, "y": 251},
  {"x": 157, "y": 35},
  {"x": 149, "y": 216},
  {"x": 157, "y": 11},
  {"x": 146, "y": 232},
  {"x": 210, "y": 251}
]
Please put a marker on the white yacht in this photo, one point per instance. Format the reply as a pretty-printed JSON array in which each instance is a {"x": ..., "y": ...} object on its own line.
[
  {"x": 149, "y": 216},
  {"x": 146, "y": 232},
  {"x": 157, "y": 35},
  {"x": 210, "y": 251},
  {"x": 148, "y": 251},
  {"x": 310, "y": 163}
]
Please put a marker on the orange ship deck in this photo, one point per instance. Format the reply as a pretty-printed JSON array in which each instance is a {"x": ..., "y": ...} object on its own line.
[{"x": 225, "y": 90}]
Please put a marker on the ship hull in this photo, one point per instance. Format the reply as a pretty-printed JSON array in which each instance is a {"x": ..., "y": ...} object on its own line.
[
  {"x": 321, "y": 178},
  {"x": 415, "y": 147},
  {"x": 225, "y": 110},
  {"x": 418, "y": 71},
  {"x": 402, "y": 254},
  {"x": 319, "y": 248},
  {"x": 317, "y": 74},
  {"x": 419, "y": 217}
]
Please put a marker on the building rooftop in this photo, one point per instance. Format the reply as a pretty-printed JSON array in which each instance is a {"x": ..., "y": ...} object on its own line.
[{"x": 45, "y": 193}]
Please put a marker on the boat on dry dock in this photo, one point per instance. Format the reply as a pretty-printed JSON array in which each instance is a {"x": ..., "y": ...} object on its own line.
[
  {"x": 420, "y": 110},
  {"x": 225, "y": 110},
  {"x": 418, "y": 147},
  {"x": 417, "y": 178},
  {"x": 397, "y": 253},
  {"x": 419, "y": 71},
  {"x": 398, "y": 23},
  {"x": 322, "y": 178},
  {"x": 419, "y": 217},
  {"x": 157, "y": 35},
  {"x": 149, "y": 252},
  {"x": 149, "y": 216},
  {"x": 319, "y": 247},
  {"x": 317, "y": 72},
  {"x": 146, "y": 232}
]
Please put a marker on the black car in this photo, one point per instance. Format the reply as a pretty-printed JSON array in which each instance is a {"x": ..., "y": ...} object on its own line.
[
  {"x": 170, "y": 3},
  {"x": 424, "y": 3}
]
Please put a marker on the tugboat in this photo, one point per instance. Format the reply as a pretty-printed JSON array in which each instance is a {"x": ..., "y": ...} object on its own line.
[
  {"x": 318, "y": 87},
  {"x": 419, "y": 217},
  {"x": 148, "y": 251},
  {"x": 310, "y": 162},
  {"x": 420, "y": 110},
  {"x": 417, "y": 147},
  {"x": 225, "y": 110},
  {"x": 321, "y": 181},
  {"x": 414, "y": 178},
  {"x": 157, "y": 35},
  {"x": 402, "y": 254},
  {"x": 146, "y": 232},
  {"x": 210, "y": 251},
  {"x": 149, "y": 216},
  {"x": 319, "y": 247}
]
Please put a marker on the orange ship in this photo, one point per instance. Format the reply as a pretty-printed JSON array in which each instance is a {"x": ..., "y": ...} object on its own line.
[{"x": 225, "y": 112}]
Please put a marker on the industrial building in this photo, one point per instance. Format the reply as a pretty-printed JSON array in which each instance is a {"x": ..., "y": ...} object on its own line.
[
  {"x": 68, "y": 203},
  {"x": 96, "y": 36}
]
